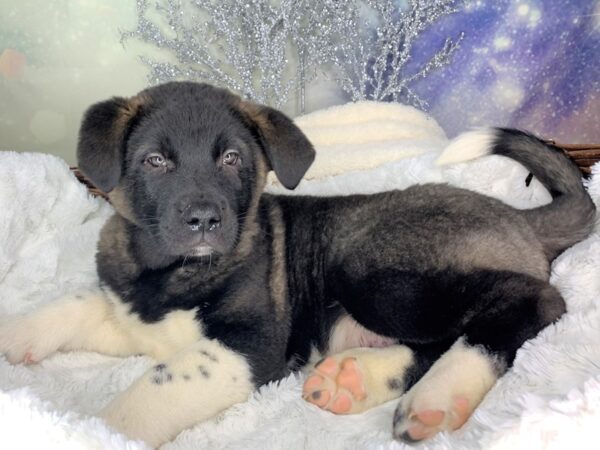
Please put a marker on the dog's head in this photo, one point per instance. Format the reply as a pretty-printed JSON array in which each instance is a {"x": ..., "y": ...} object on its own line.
[{"x": 186, "y": 162}]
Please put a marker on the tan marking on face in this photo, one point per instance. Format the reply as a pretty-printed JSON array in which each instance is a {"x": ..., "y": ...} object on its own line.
[
  {"x": 114, "y": 242},
  {"x": 250, "y": 226},
  {"x": 128, "y": 111},
  {"x": 256, "y": 113},
  {"x": 120, "y": 202}
]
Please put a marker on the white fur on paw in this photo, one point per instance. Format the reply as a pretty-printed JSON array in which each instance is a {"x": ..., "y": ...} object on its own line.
[
  {"x": 32, "y": 337},
  {"x": 194, "y": 385},
  {"x": 358, "y": 379},
  {"x": 447, "y": 395},
  {"x": 22, "y": 340}
]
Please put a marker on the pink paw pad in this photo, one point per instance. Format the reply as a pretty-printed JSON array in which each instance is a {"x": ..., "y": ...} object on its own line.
[
  {"x": 336, "y": 386},
  {"x": 427, "y": 423}
]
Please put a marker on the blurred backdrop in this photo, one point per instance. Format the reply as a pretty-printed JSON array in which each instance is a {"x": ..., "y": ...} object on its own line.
[{"x": 533, "y": 64}]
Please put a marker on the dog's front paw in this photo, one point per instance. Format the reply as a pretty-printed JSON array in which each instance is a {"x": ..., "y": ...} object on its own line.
[
  {"x": 57, "y": 325},
  {"x": 31, "y": 337},
  {"x": 134, "y": 424},
  {"x": 24, "y": 340}
]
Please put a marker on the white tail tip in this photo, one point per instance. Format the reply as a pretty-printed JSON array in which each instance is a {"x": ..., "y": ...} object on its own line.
[{"x": 468, "y": 146}]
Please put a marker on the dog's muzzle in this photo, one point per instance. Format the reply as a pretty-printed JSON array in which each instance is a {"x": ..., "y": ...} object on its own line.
[
  {"x": 199, "y": 227},
  {"x": 202, "y": 217}
]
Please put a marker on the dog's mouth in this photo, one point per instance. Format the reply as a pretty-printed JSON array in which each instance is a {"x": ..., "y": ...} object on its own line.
[
  {"x": 197, "y": 246},
  {"x": 202, "y": 250},
  {"x": 189, "y": 243}
]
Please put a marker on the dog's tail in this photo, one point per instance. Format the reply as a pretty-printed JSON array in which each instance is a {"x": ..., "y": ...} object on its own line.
[{"x": 569, "y": 218}]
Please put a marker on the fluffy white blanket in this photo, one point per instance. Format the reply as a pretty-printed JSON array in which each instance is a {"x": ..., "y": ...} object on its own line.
[{"x": 48, "y": 232}]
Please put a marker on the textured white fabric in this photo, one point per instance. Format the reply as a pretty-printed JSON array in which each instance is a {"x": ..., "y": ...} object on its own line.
[
  {"x": 48, "y": 232},
  {"x": 365, "y": 135}
]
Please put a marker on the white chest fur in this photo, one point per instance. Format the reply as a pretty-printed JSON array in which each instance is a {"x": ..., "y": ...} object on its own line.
[{"x": 175, "y": 331}]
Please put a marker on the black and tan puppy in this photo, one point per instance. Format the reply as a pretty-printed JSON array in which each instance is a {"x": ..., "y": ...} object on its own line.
[{"x": 425, "y": 293}]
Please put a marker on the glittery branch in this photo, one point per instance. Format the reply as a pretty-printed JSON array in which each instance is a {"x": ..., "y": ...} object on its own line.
[
  {"x": 268, "y": 50},
  {"x": 371, "y": 66}
]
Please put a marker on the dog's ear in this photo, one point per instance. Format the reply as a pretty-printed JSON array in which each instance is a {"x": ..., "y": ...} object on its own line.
[
  {"x": 102, "y": 139},
  {"x": 288, "y": 150}
]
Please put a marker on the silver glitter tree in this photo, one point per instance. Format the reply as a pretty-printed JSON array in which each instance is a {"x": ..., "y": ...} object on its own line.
[
  {"x": 375, "y": 44},
  {"x": 241, "y": 45},
  {"x": 266, "y": 50}
]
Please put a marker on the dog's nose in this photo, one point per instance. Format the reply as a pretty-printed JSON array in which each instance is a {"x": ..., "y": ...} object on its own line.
[{"x": 202, "y": 217}]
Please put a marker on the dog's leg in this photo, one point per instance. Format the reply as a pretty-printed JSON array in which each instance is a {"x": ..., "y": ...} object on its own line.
[
  {"x": 79, "y": 321},
  {"x": 516, "y": 309},
  {"x": 193, "y": 385},
  {"x": 359, "y": 378}
]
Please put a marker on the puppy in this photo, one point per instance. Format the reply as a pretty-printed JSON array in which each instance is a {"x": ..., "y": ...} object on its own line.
[{"x": 423, "y": 294}]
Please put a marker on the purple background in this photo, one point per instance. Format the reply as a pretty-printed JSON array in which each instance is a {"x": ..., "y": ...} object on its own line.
[{"x": 528, "y": 64}]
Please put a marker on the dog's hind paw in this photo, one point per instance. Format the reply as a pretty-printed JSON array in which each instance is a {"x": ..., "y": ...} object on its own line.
[
  {"x": 358, "y": 379},
  {"x": 337, "y": 386},
  {"x": 446, "y": 396},
  {"x": 411, "y": 425}
]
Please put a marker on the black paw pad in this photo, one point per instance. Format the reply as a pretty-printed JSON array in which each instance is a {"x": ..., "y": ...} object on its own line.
[{"x": 405, "y": 437}]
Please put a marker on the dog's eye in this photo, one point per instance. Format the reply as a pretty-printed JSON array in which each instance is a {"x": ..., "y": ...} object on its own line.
[
  {"x": 231, "y": 157},
  {"x": 155, "y": 160}
]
